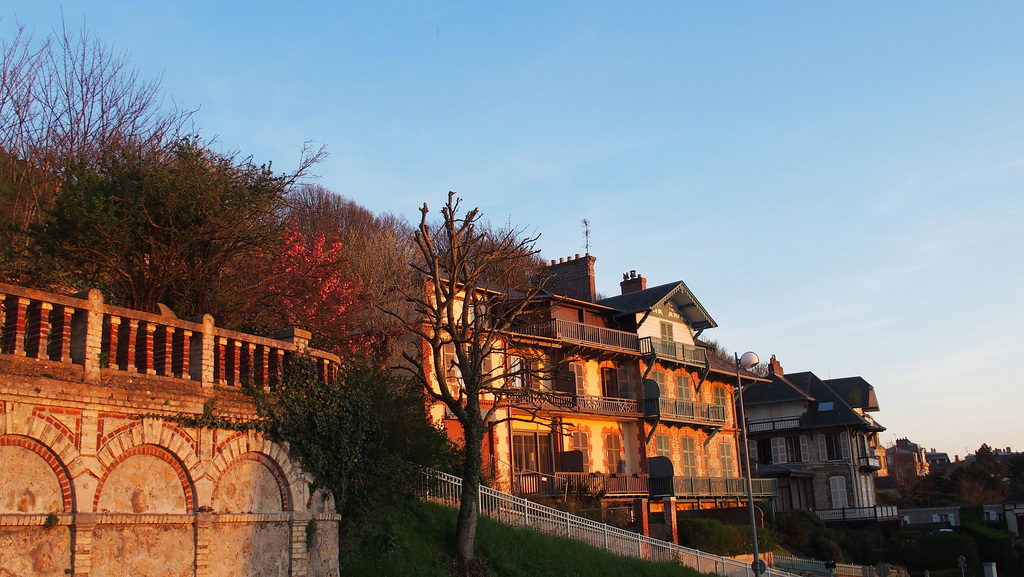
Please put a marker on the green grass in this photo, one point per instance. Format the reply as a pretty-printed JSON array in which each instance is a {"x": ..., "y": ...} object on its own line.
[{"x": 417, "y": 541}]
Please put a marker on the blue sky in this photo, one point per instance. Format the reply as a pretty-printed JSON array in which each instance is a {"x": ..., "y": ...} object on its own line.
[{"x": 840, "y": 184}]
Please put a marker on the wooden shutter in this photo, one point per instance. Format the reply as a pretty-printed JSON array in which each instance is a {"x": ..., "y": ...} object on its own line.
[
  {"x": 778, "y": 450},
  {"x": 845, "y": 445},
  {"x": 822, "y": 450},
  {"x": 805, "y": 451},
  {"x": 752, "y": 450},
  {"x": 838, "y": 486}
]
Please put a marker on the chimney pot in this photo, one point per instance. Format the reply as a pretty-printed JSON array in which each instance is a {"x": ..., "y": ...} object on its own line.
[{"x": 560, "y": 260}]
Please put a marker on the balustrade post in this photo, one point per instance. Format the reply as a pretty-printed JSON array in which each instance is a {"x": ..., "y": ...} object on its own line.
[
  {"x": 111, "y": 328},
  {"x": 236, "y": 362},
  {"x": 263, "y": 379},
  {"x": 147, "y": 349},
  {"x": 165, "y": 353},
  {"x": 130, "y": 344},
  {"x": 248, "y": 370},
  {"x": 38, "y": 330},
  {"x": 219, "y": 373},
  {"x": 671, "y": 522},
  {"x": 203, "y": 363},
  {"x": 14, "y": 331},
  {"x": 87, "y": 335},
  {"x": 182, "y": 348},
  {"x": 3, "y": 322}
]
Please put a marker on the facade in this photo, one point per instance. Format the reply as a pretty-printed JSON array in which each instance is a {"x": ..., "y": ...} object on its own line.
[
  {"x": 628, "y": 404},
  {"x": 816, "y": 437},
  {"x": 105, "y": 470},
  {"x": 906, "y": 456}
]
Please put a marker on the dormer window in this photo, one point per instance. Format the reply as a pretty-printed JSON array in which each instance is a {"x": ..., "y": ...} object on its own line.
[{"x": 825, "y": 406}]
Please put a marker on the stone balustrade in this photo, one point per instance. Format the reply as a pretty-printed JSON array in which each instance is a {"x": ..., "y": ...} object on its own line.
[{"x": 85, "y": 332}]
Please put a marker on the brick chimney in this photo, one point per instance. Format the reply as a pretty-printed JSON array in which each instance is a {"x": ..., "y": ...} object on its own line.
[
  {"x": 573, "y": 277},
  {"x": 776, "y": 367},
  {"x": 632, "y": 282}
]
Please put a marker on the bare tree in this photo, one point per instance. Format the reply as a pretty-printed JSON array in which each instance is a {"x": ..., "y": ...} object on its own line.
[{"x": 474, "y": 285}]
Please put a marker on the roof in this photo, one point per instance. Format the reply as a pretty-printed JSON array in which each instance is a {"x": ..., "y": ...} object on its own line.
[
  {"x": 826, "y": 407},
  {"x": 857, "y": 392},
  {"x": 677, "y": 294}
]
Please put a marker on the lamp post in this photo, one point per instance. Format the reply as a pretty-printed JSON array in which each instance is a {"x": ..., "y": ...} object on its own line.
[{"x": 746, "y": 362}]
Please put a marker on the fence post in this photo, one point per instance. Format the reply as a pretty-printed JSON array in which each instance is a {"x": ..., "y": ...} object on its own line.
[{"x": 605, "y": 529}]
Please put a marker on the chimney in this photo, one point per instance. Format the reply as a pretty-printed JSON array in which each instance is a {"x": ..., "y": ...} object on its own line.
[
  {"x": 573, "y": 277},
  {"x": 776, "y": 367},
  {"x": 632, "y": 282}
]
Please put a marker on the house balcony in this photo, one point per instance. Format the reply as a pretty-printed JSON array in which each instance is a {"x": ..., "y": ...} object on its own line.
[
  {"x": 686, "y": 412},
  {"x": 673, "y": 351},
  {"x": 583, "y": 334},
  {"x": 884, "y": 513},
  {"x": 768, "y": 425},
  {"x": 693, "y": 487},
  {"x": 869, "y": 463},
  {"x": 555, "y": 484},
  {"x": 558, "y": 402}
]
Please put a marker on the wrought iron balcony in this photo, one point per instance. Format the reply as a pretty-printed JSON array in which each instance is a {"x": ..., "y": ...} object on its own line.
[
  {"x": 579, "y": 333},
  {"x": 766, "y": 425},
  {"x": 886, "y": 513},
  {"x": 613, "y": 485},
  {"x": 673, "y": 351},
  {"x": 712, "y": 487},
  {"x": 869, "y": 463},
  {"x": 690, "y": 412},
  {"x": 607, "y": 405},
  {"x": 565, "y": 402}
]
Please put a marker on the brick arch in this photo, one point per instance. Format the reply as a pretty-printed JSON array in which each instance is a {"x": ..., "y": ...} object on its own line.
[
  {"x": 51, "y": 458},
  {"x": 164, "y": 455},
  {"x": 270, "y": 464},
  {"x": 276, "y": 458},
  {"x": 127, "y": 437}
]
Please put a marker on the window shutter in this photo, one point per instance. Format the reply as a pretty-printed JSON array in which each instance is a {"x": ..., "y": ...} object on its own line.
[
  {"x": 752, "y": 448},
  {"x": 805, "y": 451},
  {"x": 822, "y": 451},
  {"x": 778, "y": 450},
  {"x": 838, "y": 486},
  {"x": 845, "y": 445}
]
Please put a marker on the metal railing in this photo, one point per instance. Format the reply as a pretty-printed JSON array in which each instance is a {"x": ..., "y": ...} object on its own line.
[
  {"x": 870, "y": 462},
  {"x": 761, "y": 426},
  {"x": 817, "y": 566},
  {"x": 446, "y": 489},
  {"x": 582, "y": 333},
  {"x": 672, "y": 350},
  {"x": 589, "y": 404},
  {"x": 712, "y": 487},
  {"x": 557, "y": 401},
  {"x": 613, "y": 485},
  {"x": 881, "y": 513},
  {"x": 685, "y": 411}
]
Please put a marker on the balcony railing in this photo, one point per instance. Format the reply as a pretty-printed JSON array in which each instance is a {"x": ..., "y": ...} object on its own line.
[
  {"x": 584, "y": 334},
  {"x": 764, "y": 425},
  {"x": 81, "y": 333},
  {"x": 613, "y": 485},
  {"x": 870, "y": 462},
  {"x": 712, "y": 487},
  {"x": 673, "y": 351},
  {"x": 685, "y": 411},
  {"x": 556, "y": 401},
  {"x": 883, "y": 513}
]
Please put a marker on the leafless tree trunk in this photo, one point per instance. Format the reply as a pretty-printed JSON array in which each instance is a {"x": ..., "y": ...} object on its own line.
[{"x": 474, "y": 284}]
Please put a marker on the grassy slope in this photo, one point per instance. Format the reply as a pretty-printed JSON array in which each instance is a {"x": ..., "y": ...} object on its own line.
[{"x": 416, "y": 542}]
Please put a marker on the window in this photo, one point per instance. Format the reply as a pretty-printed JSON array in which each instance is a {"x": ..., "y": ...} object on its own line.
[
  {"x": 764, "y": 451},
  {"x": 796, "y": 448},
  {"x": 581, "y": 443},
  {"x": 683, "y": 387},
  {"x": 838, "y": 486},
  {"x": 659, "y": 377},
  {"x": 516, "y": 368},
  {"x": 689, "y": 457},
  {"x": 625, "y": 379},
  {"x": 532, "y": 452},
  {"x": 720, "y": 396},
  {"x": 664, "y": 445},
  {"x": 609, "y": 382},
  {"x": 613, "y": 453},
  {"x": 833, "y": 447},
  {"x": 577, "y": 375},
  {"x": 666, "y": 331},
  {"x": 725, "y": 455}
]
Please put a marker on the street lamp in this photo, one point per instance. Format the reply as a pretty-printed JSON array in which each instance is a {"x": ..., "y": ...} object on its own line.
[{"x": 748, "y": 361}]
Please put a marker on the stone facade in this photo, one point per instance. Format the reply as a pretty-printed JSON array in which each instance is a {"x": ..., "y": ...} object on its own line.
[{"x": 101, "y": 473}]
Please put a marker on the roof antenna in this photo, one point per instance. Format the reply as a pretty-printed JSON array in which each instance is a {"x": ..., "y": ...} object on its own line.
[{"x": 586, "y": 235}]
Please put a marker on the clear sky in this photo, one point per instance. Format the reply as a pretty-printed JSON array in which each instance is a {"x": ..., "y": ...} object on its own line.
[{"x": 840, "y": 184}]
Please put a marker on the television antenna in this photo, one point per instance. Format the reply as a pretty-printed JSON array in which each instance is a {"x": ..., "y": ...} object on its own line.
[{"x": 586, "y": 236}]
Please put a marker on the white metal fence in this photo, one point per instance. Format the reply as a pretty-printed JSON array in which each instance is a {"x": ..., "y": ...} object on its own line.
[
  {"x": 817, "y": 566},
  {"x": 447, "y": 489}
]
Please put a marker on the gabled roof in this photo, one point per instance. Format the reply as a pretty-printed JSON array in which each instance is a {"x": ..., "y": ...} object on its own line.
[
  {"x": 857, "y": 392},
  {"x": 830, "y": 408},
  {"x": 676, "y": 294},
  {"x": 779, "y": 390}
]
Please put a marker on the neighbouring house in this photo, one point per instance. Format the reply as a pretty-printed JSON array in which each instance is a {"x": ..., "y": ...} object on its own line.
[
  {"x": 907, "y": 456},
  {"x": 625, "y": 401},
  {"x": 817, "y": 439}
]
